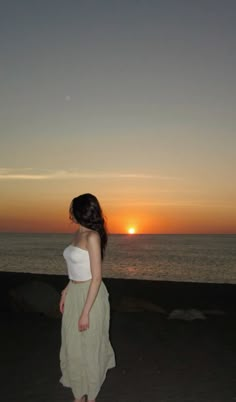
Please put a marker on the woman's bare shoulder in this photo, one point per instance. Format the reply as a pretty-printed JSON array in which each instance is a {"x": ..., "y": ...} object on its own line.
[{"x": 93, "y": 238}]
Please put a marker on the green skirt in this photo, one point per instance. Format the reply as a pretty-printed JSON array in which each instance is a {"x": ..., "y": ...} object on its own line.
[{"x": 85, "y": 356}]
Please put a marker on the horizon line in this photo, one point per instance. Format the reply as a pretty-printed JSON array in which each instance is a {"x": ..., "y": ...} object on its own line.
[{"x": 124, "y": 233}]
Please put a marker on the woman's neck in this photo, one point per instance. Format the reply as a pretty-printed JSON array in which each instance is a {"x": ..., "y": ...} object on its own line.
[{"x": 83, "y": 229}]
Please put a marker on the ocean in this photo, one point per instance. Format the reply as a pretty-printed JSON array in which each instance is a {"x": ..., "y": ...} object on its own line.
[{"x": 185, "y": 258}]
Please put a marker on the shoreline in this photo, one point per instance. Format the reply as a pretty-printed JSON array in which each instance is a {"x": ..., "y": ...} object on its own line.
[{"x": 139, "y": 294}]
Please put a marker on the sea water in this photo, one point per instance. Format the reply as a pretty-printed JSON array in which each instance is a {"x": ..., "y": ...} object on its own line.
[{"x": 193, "y": 258}]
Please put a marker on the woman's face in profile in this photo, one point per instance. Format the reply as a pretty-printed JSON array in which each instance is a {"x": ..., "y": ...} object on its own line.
[{"x": 71, "y": 216}]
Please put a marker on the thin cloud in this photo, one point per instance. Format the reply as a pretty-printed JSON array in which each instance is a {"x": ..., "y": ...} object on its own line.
[
  {"x": 31, "y": 174},
  {"x": 183, "y": 203}
]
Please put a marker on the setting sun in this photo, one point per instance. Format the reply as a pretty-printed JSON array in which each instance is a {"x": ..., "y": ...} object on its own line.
[{"x": 131, "y": 230}]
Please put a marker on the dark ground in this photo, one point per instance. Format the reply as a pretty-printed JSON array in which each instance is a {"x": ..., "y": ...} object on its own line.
[{"x": 158, "y": 359}]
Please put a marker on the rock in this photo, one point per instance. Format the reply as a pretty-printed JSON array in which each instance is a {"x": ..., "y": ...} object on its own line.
[
  {"x": 132, "y": 304},
  {"x": 187, "y": 315},
  {"x": 35, "y": 296}
]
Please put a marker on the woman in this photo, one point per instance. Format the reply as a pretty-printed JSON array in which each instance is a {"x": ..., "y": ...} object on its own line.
[{"x": 86, "y": 353}]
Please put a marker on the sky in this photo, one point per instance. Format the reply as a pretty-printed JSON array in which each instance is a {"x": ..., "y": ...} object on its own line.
[{"x": 133, "y": 101}]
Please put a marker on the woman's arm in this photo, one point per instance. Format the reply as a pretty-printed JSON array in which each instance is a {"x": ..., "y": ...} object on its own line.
[
  {"x": 94, "y": 249},
  {"x": 62, "y": 300}
]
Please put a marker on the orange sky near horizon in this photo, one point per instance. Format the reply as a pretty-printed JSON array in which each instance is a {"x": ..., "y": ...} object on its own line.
[{"x": 46, "y": 214}]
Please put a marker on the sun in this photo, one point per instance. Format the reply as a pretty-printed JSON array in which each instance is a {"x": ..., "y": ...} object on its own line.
[{"x": 131, "y": 230}]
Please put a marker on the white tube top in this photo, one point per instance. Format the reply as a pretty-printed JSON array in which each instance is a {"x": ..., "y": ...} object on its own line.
[{"x": 78, "y": 263}]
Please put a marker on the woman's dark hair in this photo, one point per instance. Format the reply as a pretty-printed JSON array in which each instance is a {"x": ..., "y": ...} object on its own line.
[{"x": 86, "y": 210}]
